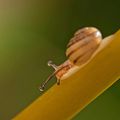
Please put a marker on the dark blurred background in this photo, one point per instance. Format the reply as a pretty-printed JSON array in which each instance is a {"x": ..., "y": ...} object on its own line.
[{"x": 35, "y": 31}]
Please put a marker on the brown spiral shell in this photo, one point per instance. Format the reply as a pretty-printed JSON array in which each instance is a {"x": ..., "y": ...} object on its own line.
[{"x": 83, "y": 44}]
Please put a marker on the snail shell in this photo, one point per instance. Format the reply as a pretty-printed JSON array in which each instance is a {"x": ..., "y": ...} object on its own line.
[{"x": 83, "y": 45}]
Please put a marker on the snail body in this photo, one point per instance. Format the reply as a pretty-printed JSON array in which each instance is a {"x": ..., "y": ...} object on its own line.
[{"x": 79, "y": 50}]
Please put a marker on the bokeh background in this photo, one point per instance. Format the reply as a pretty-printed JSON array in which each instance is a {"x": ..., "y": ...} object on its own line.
[{"x": 35, "y": 31}]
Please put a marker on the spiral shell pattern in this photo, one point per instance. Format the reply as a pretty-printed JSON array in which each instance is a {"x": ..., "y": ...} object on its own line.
[{"x": 83, "y": 44}]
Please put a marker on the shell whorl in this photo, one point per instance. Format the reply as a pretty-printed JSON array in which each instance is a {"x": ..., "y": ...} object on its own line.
[{"x": 83, "y": 44}]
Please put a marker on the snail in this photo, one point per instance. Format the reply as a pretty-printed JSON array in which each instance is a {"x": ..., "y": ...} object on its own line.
[{"x": 79, "y": 50}]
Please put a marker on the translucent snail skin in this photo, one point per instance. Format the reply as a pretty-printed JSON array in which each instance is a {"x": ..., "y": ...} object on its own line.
[{"x": 79, "y": 50}]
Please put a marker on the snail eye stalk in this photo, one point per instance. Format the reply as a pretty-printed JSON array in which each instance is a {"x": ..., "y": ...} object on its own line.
[
  {"x": 41, "y": 88},
  {"x": 50, "y": 63}
]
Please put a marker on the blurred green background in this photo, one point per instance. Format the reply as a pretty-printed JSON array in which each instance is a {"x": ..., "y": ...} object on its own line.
[{"x": 35, "y": 31}]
